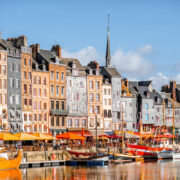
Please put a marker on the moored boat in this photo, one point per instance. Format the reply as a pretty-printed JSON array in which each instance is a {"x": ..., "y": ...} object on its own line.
[
  {"x": 165, "y": 154},
  {"x": 10, "y": 163},
  {"x": 176, "y": 155}
]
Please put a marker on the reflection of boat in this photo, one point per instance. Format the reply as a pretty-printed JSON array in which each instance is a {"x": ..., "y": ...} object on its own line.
[
  {"x": 11, "y": 163},
  {"x": 10, "y": 174},
  {"x": 80, "y": 154}
]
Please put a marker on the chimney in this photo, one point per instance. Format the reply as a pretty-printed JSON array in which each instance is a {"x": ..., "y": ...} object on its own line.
[
  {"x": 35, "y": 50},
  {"x": 19, "y": 41},
  {"x": 173, "y": 88},
  {"x": 44, "y": 67},
  {"x": 57, "y": 49}
]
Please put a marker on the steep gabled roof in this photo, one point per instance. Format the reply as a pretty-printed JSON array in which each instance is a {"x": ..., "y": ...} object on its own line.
[
  {"x": 109, "y": 72},
  {"x": 144, "y": 83},
  {"x": 6, "y": 44}
]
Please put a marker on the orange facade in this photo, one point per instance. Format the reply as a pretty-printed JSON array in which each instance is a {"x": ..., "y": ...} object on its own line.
[
  {"x": 40, "y": 99},
  {"x": 3, "y": 90},
  {"x": 94, "y": 91},
  {"x": 26, "y": 85},
  {"x": 57, "y": 93}
]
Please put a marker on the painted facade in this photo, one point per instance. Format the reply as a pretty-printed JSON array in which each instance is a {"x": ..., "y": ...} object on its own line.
[
  {"x": 3, "y": 90},
  {"x": 76, "y": 94},
  {"x": 40, "y": 99}
]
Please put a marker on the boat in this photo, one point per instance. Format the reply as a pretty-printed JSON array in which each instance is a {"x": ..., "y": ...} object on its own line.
[
  {"x": 144, "y": 151},
  {"x": 10, "y": 174},
  {"x": 10, "y": 163},
  {"x": 80, "y": 154},
  {"x": 165, "y": 154}
]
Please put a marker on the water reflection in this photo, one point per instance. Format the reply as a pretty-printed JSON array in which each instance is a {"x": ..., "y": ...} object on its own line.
[{"x": 132, "y": 171}]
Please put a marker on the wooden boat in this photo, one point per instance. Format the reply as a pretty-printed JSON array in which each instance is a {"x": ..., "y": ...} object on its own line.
[
  {"x": 81, "y": 154},
  {"x": 11, "y": 163},
  {"x": 144, "y": 151},
  {"x": 176, "y": 155},
  {"x": 165, "y": 154},
  {"x": 10, "y": 174}
]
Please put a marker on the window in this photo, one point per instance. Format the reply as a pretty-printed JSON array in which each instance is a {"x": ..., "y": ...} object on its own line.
[
  {"x": 29, "y": 75},
  {"x": 57, "y": 105},
  {"x": 30, "y": 117},
  {"x": 118, "y": 115},
  {"x": 97, "y": 84},
  {"x": 62, "y": 91},
  {"x": 52, "y": 104},
  {"x": 29, "y": 89},
  {"x": 25, "y": 75},
  {"x": 52, "y": 75},
  {"x": 146, "y": 106},
  {"x": 146, "y": 117},
  {"x": 45, "y": 117},
  {"x": 11, "y": 66},
  {"x": 24, "y": 61},
  {"x": 11, "y": 82},
  {"x": 105, "y": 91},
  {"x": 11, "y": 100},
  {"x": 19, "y": 68},
  {"x": 35, "y": 105},
  {"x": 35, "y": 128},
  {"x": 62, "y": 76},
  {"x": 97, "y": 109},
  {"x": 70, "y": 122},
  {"x": 29, "y": 62},
  {"x": 34, "y": 91},
  {"x": 39, "y": 80},
  {"x": 77, "y": 122},
  {"x": 81, "y": 84},
  {"x": 39, "y": 105},
  {"x": 76, "y": 96},
  {"x": 97, "y": 97},
  {"x": 63, "y": 121},
  {"x": 17, "y": 99},
  {"x": 57, "y": 90},
  {"x": 62, "y": 105},
  {"x": 105, "y": 113},
  {"x": 176, "y": 112},
  {"x": 57, "y": 76},
  {"x": 44, "y": 81},
  {"x": 39, "y": 92},
  {"x": 35, "y": 117},
  {"x": 45, "y": 106},
  {"x": 109, "y": 101},
  {"x": 4, "y": 84},
  {"x": 44, "y": 92},
  {"x": 34, "y": 80},
  {"x": 109, "y": 92},
  {"x": 30, "y": 102},
  {"x": 25, "y": 117},
  {"x": 17, "y": 83},
  {"x": 109, "y": 114},
  {"x": 4, "y": 69},
  {"x": 91, "y": 99},
  {"x": 84, "y": 122},
  {"x": 90, "y": 84},
  {"x": 52, "y": 90},
  {"x": 40, "y": 129},
  {"x": 25, "y": 88},
  {"x": 39, "y": 117},
  {"x": 91, "y": 109},
  {"x": 57, "y": 121},
  {"x": 52, "y": 121}
]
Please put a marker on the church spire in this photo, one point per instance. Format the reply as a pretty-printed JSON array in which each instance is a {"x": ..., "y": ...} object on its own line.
[{"x": 108, "y": 55}]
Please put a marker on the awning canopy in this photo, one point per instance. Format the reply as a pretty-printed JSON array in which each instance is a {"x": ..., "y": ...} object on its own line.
[
  {"x": 43, "y": 136},
  {"x": 25, "y": 136},
  {"x": 8, "y": 137},
  {"x": 80, "y": 133},
  {"x": 69, "y": 135}
]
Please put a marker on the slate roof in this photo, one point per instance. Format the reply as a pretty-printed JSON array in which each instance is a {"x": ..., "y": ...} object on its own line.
[
  {"x": 109, "y": 72},
  {"x": 49, "y": 56},
  {"x": 6, "y": 44},
  {"x": 144, "y": 83},
  {"x": 155, "y": 96}
]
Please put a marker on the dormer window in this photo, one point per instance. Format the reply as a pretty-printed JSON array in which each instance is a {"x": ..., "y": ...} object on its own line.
[
  {"x": 75, "y": 72},
  {"x": 74, "y": 65}
]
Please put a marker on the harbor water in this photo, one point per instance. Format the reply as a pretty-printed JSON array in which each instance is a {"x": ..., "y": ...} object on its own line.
[{"x": 166, "y": 170}]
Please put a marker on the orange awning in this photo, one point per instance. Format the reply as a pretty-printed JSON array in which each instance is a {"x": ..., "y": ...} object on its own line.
[
  {"x": 69, "y": 135},
  {"x": 25, "y": 136},
  {"x": 8, "y": 137},
  {"x": 43, "y": 136}
]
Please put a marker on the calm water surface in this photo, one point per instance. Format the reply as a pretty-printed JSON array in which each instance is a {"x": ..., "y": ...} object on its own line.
[{"x": 169, "y": 170}]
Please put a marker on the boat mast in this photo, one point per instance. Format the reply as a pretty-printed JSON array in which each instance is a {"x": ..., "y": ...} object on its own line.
[
  {"x": 163, "y": 126},
  {"x": 140, "y": 125},
  {"x": 96, "y": 134},
  {"x": 173, "y": 112},
  {"x": 122, "y": 131}
]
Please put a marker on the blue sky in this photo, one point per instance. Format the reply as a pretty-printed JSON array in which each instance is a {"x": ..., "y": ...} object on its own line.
[{"x": 144, "y": 36}]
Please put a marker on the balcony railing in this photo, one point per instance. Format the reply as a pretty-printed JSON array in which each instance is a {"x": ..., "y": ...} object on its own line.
[{"x": 59, "y": 112}]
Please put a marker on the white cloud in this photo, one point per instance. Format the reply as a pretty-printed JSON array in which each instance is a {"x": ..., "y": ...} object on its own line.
[
  {"x": 85, "y": 55},
  {"x": 133, "y": 63}
]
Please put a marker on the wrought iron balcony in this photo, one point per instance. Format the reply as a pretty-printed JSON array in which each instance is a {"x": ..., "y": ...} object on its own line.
[{"x": 59, "y": 112}]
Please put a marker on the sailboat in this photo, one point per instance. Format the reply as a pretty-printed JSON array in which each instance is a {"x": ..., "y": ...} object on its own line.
[{"x": 164, "y": 154}]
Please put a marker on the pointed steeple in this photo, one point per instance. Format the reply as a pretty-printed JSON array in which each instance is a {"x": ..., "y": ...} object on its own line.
[{"x": 108, "y": 54}]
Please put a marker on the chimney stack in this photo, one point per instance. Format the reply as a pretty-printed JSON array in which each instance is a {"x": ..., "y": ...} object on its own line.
[
  {"x": 57, "y": 49},
  {"x": 35, "y": 50}
]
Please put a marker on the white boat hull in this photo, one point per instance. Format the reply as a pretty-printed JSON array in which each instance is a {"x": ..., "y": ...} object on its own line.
[
  {"x": 176, "y": 155},
  {"x": 165, "y": 154},
  {"x": 103, "y": 158}
]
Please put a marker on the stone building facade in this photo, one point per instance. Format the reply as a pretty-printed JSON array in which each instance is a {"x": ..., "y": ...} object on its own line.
[{"x": 76, "y": 95}]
